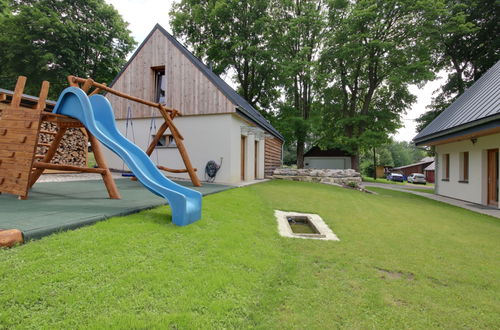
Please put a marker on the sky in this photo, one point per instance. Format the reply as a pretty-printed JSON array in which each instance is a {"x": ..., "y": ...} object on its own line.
[{"x": 142, "y": 16}]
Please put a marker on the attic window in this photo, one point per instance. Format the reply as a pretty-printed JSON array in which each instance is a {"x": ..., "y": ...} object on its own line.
[{"x": 160, "y": 84}]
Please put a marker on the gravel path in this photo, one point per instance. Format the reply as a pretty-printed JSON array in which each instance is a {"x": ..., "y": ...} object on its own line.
[{"x": 74, "y": 177}]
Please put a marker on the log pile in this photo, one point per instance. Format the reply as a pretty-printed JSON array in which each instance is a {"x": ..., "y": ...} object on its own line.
[{"x": 71, "y": 151}]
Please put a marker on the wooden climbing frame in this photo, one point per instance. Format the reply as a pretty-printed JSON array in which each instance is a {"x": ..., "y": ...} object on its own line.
[
  {"x": 20, "y": 129},
  {"x": 167, "y": 114}
]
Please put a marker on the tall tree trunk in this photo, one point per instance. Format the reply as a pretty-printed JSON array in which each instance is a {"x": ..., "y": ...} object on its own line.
[
  {"x": 374, "y": 164},
  {"x": 300, "y": 154},
  {"x": 355, "y": 162}
]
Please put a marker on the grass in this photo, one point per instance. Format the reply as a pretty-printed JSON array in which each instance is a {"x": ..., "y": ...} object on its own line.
[
  {"x": 91, "y": 161},
  {"x": 381, "y": 180},
  {"x": 438, "y": 267}
]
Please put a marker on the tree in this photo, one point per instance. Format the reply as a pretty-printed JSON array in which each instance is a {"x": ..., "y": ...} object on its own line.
[
  {"x": 299, "y": 26},
  {"x": 233, "y": 36},
  {"x": 467, "y": 45},
  {"x": 4, "y": 8},
  {"x": 50, "y": 39},
  {"x": 373, "y": 51},
  {"x": 404, "y": 153}
]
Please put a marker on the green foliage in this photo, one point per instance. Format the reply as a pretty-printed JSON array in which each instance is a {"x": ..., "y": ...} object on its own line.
[
  {"x": 232, "y": 269},
  {"x": 373, "y": 52},
  {"x": 394, "y": 153},
  {"x": 466, "y": 45},
  {"x": 50, "y": 39},
  {"x": 336, "y": 73},
  {"x": 404, "y": 153},
  {"x": 4, "y": 8},
  {"x": 299, "y": 29},
  {"x": 233, "y": 36}
]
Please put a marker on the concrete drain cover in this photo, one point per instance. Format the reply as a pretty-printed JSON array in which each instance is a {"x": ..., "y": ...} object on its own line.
[{"x": 303, "y": 225}]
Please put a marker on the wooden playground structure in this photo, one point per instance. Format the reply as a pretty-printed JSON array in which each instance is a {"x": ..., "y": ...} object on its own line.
[{"x": 20, "y": 129}]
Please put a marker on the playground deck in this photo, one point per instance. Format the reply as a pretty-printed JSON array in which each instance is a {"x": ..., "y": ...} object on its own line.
[{"x": 59, "y": 206}]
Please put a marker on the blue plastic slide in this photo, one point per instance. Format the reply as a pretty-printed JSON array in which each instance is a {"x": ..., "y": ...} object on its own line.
[{"x": 96, "y": 114}]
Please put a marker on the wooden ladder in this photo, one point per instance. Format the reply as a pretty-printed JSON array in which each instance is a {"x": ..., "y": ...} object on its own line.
[{"x": 20, "y": 166}]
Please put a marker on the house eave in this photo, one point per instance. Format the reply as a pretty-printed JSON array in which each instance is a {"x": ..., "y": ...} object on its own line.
[
  {"x": 240, "y": 111},
  {"x": 479, "y": 127}
]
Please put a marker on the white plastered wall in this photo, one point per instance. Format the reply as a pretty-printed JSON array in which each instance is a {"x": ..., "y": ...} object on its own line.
[
  {"x": 206, "y": 137},
  {"x": 476, "y": 189}
]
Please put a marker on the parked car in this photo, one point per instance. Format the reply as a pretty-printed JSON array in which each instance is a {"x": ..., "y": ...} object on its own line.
[
  {"x": 395, "y": 177},
  {"x": 417, "y": 178}
]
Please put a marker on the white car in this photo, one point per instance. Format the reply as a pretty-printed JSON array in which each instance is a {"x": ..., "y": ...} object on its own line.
[{"x": 416, "y": 178}]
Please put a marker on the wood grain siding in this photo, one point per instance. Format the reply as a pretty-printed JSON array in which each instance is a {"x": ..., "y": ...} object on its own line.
[
  {"x": 187, "y": 88},
  {"x": 272, "y": 156}
]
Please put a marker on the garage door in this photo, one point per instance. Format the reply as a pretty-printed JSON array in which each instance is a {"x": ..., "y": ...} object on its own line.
[{"x": 330, "y": 162}]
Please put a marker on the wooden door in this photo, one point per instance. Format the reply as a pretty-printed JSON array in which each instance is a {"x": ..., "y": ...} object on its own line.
[
  {"x": 493, "y": 177},
  {"x": 256, "y": 158},
  {"x": 243, "y": 142}
]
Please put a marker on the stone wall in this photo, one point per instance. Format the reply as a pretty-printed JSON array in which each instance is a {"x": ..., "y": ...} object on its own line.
[{"x": 328, "y": 176}]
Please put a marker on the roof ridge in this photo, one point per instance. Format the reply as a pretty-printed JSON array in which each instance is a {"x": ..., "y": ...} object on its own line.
[{"x": 244, "y": 107}]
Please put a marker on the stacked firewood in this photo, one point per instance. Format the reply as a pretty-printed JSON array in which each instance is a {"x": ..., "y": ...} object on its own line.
[{"x": 72, "y": 149}]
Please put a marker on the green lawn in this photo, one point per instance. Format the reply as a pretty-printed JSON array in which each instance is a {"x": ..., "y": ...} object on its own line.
[
  {"x": 381, "y": 180},
  {"x": 91, "y": 161},
  {"x": 403, "y": 262}
]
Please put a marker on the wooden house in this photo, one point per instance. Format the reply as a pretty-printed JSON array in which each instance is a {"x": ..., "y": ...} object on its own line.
[
  {"x": 216, "y": 122},
  {"x": 418, "y": 167}
]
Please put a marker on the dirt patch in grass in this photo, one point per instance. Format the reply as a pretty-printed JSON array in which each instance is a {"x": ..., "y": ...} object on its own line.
[{"x": 394, "y": 275}]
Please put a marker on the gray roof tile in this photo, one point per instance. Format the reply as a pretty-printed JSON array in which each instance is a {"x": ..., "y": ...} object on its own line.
[{"x": 481, "y": 101}]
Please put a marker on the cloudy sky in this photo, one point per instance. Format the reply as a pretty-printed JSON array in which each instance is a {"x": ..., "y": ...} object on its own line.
[{"x": 142, "y": 15}]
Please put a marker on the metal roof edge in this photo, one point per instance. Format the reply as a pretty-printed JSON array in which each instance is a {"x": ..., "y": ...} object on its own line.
[
  {"x": 414, "y": 164},
  {"x": 27, "y": 96},
  {"x": 468, "y": 128},
  {"x": 471, "y": 90}
]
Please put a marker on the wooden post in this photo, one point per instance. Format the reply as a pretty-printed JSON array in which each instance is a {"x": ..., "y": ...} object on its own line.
[
  {"x": 157, "y": 137},
  {"x": 101, "y": 162},
  {"x": 48, "y": 156},
  {"x": 182, "y": 151},
  {"x": 44, "y": 91},
  {"x": 18, "y": 92}
]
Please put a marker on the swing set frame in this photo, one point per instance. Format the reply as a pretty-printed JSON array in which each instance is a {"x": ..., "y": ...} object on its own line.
[{"x": 168, "y": 115}]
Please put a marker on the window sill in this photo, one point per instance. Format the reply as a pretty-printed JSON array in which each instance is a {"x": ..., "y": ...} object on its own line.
[
  {"x": 463, "y": 181},
  {"x": 445, "y": 179}
]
